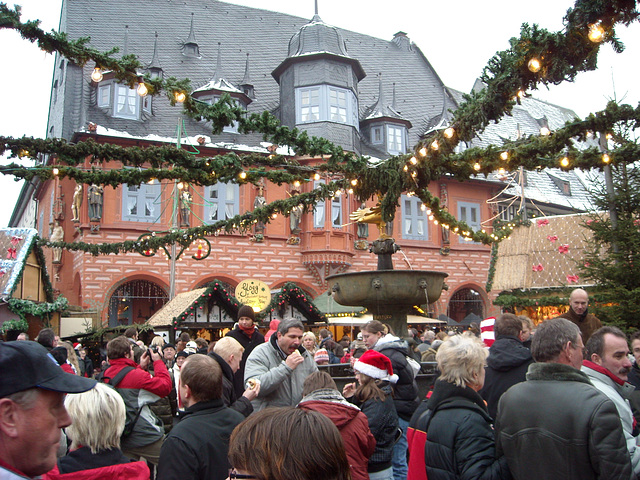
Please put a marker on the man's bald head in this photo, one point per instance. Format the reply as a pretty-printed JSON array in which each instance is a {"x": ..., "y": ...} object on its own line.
[{"x": 579, "y": 301}]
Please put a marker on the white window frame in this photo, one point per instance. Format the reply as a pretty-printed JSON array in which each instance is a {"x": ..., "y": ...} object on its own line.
[
  {"x": 336, "y": 211},
  {"x": 377, "y": 137},
  {"x": 148, "y": 201},
  {"x": 104, "y": 95},
  {"x": 466, "y": 213},
  {"x": 415, "y": 224},
  {"x": 226, "y": 203},
  {"x": 325, "y": 102},
  {"x": 131, "y": 98},
  {"x": 395, "y": 134},
  {"x": 320, "y": 210}
]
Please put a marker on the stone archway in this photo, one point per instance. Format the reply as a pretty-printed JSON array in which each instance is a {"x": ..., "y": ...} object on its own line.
[
  {"x": 135, "y": 301},
  {"x": 466, "y": 305}
]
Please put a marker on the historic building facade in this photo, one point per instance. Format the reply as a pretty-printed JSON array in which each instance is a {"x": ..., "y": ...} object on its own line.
[{"x": 371, "y": 96}]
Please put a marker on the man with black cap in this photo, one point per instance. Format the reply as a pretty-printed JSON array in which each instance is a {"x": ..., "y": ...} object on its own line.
[
  {"x": 32, "y": 413},
  {"x": 249, "y": 337}
]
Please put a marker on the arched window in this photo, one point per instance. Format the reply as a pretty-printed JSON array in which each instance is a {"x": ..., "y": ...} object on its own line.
[
  {"x": 466, "y": 306},
  {"x": 135, "y": 301}
]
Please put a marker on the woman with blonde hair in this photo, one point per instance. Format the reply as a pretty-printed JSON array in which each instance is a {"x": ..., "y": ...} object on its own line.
[
  {"x": 310, "y": 342},
  {"x": 71, "y": 357},
  {"x": 460, "y": 441},
  {"x": 98, "y": 418}
]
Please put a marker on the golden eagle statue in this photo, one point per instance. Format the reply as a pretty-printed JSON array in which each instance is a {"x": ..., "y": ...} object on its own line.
[{"x": 371, "y": 215}]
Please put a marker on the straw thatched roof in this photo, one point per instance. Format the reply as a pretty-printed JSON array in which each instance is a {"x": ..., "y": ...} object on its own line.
[
  {"x": 545, "y": 254},
  {"x": 181, "y": 302}
]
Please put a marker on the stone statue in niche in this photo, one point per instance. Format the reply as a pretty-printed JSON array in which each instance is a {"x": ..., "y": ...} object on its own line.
[
  {"x": 96, "y": 197},
  {"x": 363, "y": 228},
  {"x": 259, "y": 202},
  {"x": 185, "y": 207},
  {"x": 295, "y": 215},
  {"x": 76, "y": 203},
  {"x": 57, "y": 235}
]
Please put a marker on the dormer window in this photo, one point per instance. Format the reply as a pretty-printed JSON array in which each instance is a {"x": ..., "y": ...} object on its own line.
[
  {"x": 191, "y": 50},
  {"x": 120, "y": 101},
  {"x": 563, "y": 185},
  {"x": 326, "y": 103},
  {"x": 396, "y": 139}
]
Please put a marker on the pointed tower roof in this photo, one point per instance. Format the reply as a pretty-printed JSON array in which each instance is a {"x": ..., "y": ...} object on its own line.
[
  {"x": 190, "y": 46},
  {"x": 154, "y": 67},
  {"x": 218, "y": 82},
  {"x": 246, "y": 80},
  {"x": 317, "y": 39},
  {"x": 380, "y": 110}
]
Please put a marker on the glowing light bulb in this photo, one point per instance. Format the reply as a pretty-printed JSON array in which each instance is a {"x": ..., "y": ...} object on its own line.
[
  {"x": 435, "y": 222},
  {"x": 435, "y": 145},
  {"x": 316, "y": 177},
  {"x": 449, "y": 132},
  {"x": 606, "y": 158},
  {"x": 534, "y": 65},
  {"x": 596, "y": 33},
  {"x": 520, "y": 93},
  {"x": 405, "y": 168},
  {"x": 243, "y": 175},
  {"x": 354, "y": 182},
  {"x": 423, "y": 207},
  {"x": 274, "y": 216},
  {"x": 55, "y": 171},
  {"x": 501, "y": 171},
  {"x": 413, "y": 160},
  {"x": 350, "y": 191},
  {"x": 544, "y": 131},
  {"x": 564, "y": 162},
  {"x": 179, "y": 96},
  {"x": 414, "y": 174},
  {"x": 423, "y": 152},
  {"x": 142, "y": 89},
  {"x": 431, "y": 218},
  {"x": 96, "y": 75},
  {"x": 180, "y": 186},
  {"x": 504, "y": 155},
  {"x": 477, "y": 167}
]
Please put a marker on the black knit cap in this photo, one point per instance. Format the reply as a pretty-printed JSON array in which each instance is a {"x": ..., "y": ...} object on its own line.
[{"x": 247, "y": 311}]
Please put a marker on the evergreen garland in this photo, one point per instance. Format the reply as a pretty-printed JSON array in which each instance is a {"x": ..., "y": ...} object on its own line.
[
  {"x": 19, "y": 325},
  {"x": 28, "y": 307},
  {"x": 562, "y": 55},
  {"x": 215, "y": 288}
]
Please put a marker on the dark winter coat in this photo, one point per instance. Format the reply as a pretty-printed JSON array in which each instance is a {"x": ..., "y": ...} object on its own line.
[
  {"x": 405, "y": 390},
  {"x": 587, "y": 322},
  {"x": 507, "y": 365},
  {"x": 111, "y": 464},
  {"x": 352, "y": 424},
  {"x": 634, "y": 399},
  {"x": 558, "y": 426},
  {"x": 383, "y": 423},
  {"x": 249, "y": 344},
  {"x": 239, "y": 404},
  {"x": 197, "y": 447},
  {"x": 460, "y": 441}
]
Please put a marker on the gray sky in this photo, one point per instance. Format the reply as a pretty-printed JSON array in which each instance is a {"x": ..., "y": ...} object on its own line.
[{"x": 457, "y": 41}]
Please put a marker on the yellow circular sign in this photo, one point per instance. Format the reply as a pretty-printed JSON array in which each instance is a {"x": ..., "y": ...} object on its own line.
[{"x": 254, "y": 293}]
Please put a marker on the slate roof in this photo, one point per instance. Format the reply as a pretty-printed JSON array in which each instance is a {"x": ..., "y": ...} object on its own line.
[
  {"x": 243, "y": 38},
  {"x": 263, "y": 34}
]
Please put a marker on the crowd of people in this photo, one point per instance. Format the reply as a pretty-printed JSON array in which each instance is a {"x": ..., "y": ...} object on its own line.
[{"x": 560, "y": 402}]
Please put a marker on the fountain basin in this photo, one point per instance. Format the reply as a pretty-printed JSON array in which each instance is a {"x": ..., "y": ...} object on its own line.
[{"x": 387, "y": 291}]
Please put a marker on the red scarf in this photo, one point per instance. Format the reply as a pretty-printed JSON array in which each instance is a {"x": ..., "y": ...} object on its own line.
[
  {"x": 248, "y": 331},
  {"x": 602, "y": 370}
]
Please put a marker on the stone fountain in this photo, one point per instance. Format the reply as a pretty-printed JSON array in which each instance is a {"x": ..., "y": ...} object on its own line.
[{"x": 387, "y": 293}]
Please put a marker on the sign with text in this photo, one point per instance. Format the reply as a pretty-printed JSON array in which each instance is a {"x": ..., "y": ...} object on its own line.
[{"x": 254, "y": 293}]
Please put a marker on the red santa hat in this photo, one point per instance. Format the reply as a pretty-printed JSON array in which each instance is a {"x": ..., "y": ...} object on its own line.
[{"x": 375, "y": 365}]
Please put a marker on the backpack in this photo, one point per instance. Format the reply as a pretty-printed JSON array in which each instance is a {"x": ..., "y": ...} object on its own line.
[{"x": 132, "y": 413}]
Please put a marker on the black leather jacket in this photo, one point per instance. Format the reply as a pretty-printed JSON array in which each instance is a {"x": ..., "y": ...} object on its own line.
[{"x": 558, "y": 426}]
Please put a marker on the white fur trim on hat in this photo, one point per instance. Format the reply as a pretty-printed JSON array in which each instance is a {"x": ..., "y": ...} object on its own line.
[{"x": 372, "y": 363}]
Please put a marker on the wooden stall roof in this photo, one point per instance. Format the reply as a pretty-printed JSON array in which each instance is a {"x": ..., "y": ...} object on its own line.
[
  {"x": 180, "y": 303},
  {"x": 545, "y": 254},
  {"x": 328, "y": 306}
]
